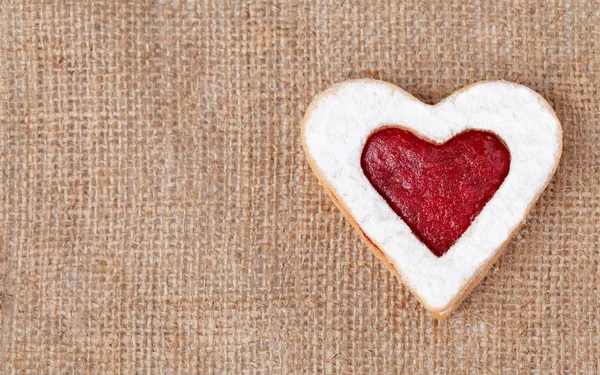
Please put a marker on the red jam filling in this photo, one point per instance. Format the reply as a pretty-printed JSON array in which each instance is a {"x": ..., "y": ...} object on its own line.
[{"x": 437, "y": 190}]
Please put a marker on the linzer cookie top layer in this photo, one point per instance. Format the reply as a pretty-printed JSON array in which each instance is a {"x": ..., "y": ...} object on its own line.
[{"x": 520, "y": 154}]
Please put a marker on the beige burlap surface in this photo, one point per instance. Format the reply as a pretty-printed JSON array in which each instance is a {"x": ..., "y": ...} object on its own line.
[{"x": 157, "y": 215}]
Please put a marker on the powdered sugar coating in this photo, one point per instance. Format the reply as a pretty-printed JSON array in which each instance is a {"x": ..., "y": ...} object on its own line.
[{"x": 336, "y": 128}]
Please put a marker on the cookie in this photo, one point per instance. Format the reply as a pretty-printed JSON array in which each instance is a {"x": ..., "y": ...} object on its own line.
[{"x": 436, "y": 191}]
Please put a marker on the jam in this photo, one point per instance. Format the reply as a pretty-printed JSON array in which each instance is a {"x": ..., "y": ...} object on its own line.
[{"x": 437, "y": 190}]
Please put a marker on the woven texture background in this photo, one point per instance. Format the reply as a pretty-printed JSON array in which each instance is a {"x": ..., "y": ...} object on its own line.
[{"x": 157, "y": 214}]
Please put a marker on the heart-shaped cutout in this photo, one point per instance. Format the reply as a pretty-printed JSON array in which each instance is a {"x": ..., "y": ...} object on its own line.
[
  {"x": 438, "y": 190},
  {"x": 343, "y": 120}
]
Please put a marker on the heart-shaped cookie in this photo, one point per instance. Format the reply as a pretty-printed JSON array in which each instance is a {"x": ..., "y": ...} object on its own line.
[{"x": 436, "y": 191}]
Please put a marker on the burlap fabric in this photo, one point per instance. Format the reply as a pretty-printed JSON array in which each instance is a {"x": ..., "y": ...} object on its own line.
[{"x": 157, "y": 215}]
